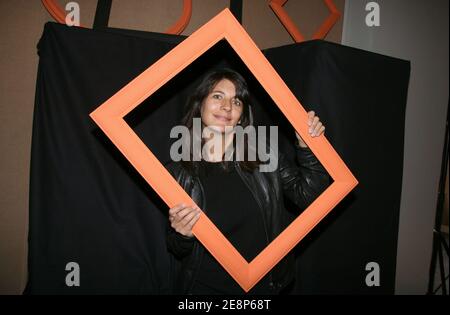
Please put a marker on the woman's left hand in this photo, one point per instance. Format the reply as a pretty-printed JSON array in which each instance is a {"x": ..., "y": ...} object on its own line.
[{"x": 316, "y": 128}]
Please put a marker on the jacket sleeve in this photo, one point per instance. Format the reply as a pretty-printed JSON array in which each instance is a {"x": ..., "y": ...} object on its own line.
[
  {"x": 304, "y": 182},
  {"x": 178, "y": 244}
]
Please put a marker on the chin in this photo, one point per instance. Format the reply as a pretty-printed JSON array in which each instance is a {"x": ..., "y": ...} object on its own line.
[{"x": 221, "y": 128}]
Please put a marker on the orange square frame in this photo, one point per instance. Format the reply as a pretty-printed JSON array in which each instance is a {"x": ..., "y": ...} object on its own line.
[{"x": 110, "y": 118}]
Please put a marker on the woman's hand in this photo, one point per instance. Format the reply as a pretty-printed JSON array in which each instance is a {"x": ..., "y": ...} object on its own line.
[
  {"x": 315, "y": 128},
  {"x": 183, "y": 218}
]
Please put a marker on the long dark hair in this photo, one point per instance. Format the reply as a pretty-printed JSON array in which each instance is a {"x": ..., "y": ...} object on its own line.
[{"x": 194, "y": 106}]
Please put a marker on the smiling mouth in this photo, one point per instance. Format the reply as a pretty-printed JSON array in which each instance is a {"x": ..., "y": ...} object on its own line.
[{"x": 221, "y": 118}]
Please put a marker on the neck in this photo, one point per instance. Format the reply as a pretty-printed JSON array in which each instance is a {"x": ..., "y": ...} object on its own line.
[{"x": 216, "y": 144}]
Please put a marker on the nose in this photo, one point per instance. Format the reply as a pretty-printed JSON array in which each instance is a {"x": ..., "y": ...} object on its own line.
[{"x": 226, "y": 105}]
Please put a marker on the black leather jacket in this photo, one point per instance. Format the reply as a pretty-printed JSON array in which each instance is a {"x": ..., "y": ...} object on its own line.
[{"x": 301, "y": 183}]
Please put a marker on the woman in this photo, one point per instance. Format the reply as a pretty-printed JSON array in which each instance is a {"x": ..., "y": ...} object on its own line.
[{"x": 245, "y": 203}]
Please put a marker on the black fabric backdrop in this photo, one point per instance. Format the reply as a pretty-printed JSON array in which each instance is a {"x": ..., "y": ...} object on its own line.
[{"x": 88, "y": 205}]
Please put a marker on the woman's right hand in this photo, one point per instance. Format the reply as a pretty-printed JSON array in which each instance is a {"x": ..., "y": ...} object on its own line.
[{"x": 183, "y": 218}]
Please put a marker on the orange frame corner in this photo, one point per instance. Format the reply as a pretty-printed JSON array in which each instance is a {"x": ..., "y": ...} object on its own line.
[
  {"x": 292, "y": 29},
  {"x": 110, "y": 118}
]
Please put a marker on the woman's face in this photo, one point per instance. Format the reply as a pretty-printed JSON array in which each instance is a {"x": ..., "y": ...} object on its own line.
[{"x": 221, "y": 107}]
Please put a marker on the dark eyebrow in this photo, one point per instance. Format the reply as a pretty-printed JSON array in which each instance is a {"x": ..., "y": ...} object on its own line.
[{"x": 234, "y": 97}]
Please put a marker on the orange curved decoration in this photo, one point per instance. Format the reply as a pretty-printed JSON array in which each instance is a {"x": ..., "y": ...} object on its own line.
[
  {"x": 329, "y": 22},
  {"x": 183, "y": 21},
  {"x": 322, "y": 31},
  {"x": 55, "y": 11},
  {"x": 277, "y": 8},
  {"x": 60, "y": 15}
]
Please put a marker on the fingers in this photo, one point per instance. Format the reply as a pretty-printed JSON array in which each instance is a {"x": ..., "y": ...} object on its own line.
[
  {"x": 183, "y": 218},
  {"x": 316, "y": 128},
  {"x": 313, "y": 125},
  {"x": 183, "y": 213},
  {"x": 311, "y": 115},
  {"x": 189, "y": 225},
  {"x": 173, "y": 211},
  {"x": 188, "y": 217}
]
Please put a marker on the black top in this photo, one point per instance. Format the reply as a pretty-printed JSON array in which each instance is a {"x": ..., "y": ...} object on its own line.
[{"x": 231, "y": 206}]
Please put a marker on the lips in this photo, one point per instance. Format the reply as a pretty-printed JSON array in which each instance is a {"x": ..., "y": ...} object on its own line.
[{"x": 222, "y": 118}]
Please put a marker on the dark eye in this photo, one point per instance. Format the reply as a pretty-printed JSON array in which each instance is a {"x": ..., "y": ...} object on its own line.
[
  {"x": 217, "y": 96},
  {"x": 237, "y": 102}
]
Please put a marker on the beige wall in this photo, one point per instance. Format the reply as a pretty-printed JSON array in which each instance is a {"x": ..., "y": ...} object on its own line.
[
  {"x": 417, "y": 31},
  {"x": 21, "y": 24}
]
